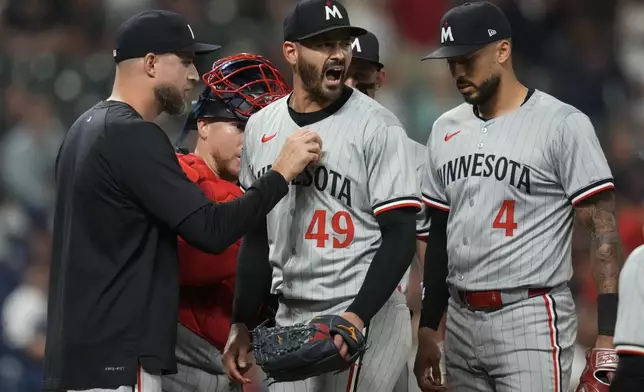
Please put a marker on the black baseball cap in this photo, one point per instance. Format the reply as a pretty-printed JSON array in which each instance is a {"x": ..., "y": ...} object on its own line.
[
  {"x": 366, "y": 47},
  {"x": 313, "y": 17},
  {"x": 469, "y": 27},
  {"x": 158, "y": 32}
]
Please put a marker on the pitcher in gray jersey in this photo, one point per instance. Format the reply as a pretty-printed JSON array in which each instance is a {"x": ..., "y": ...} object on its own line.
[
  {"x": 506, "y": 171},
  {"x": 629, "y": 340},
  {"x": 341, "y": 240}
]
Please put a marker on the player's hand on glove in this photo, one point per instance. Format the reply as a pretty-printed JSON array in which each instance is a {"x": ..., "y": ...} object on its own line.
[
  {"x": 339, "y": 341},
  {"x": 235, "y": 357},
  {"x": 427, "y": 364},
  {"x": 302, "y": 147},
  {"x": 305, "y": 350}
]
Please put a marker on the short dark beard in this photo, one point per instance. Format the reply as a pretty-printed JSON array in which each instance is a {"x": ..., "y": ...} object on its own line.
[
  {"x": 312, "y": 79},
  {"x": 486, "y": 91},
  {"x": 170, "y": 100}
]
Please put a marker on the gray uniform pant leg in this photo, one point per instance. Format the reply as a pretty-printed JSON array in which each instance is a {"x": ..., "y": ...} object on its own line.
[{"x": 526, "y": 346}]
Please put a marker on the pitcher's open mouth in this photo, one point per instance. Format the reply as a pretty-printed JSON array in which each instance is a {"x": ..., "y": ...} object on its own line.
[{"x": 333, "y": 75}]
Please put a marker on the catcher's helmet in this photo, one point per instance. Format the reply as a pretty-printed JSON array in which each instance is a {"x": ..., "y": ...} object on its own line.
[{"x": 236, "y": 87}]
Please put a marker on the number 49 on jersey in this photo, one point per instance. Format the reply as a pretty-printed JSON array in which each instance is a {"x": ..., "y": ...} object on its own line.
[{"x": 342, "y": 229}]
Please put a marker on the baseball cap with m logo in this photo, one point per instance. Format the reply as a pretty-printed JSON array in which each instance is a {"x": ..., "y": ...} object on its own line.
[
  {"x": 314, "y": 17},
  {"x": 469, "y": 27}
]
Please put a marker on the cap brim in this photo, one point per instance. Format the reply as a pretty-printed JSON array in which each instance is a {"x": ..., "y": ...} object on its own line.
[
  {"x": 446, "y": 52},
  {"x": 353, "y": 31},
  {"x": 372, "y": 61},
  {"x": 199, "y": 48}
]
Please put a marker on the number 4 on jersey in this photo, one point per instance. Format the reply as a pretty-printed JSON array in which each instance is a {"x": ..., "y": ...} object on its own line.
[
  {"x": 505, "y": 218},
  {"x": 341, "y": 224}
]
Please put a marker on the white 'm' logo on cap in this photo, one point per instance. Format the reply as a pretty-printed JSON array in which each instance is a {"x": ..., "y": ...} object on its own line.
[
  {"x": 356, "y": 45},
  {"x": 446, "y": 34},
  {"x": 332, "y": 12},
  {"x": 191, "y": 33}
]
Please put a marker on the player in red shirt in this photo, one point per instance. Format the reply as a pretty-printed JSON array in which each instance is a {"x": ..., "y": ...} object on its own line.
[{"x": 236, "y": 87}]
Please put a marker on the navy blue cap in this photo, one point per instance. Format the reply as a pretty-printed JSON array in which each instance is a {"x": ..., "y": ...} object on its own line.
[
  {"x": 158, "y": 32},
  {"x": 313, "y": 17},
  {"x": 367, "y": 47},
  {"x": 469, "y": 27}
]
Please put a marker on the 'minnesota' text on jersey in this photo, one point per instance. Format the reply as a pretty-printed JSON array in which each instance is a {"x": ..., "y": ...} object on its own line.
[
  {"x": 510, "y": 184},
  {"x": 323, "y": 234}
]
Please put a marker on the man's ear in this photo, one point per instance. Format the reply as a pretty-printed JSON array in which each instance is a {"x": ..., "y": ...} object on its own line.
[
  {"x": 202, "y": 128},
  {"x": 381, "y": 76},
  {"x": 149, "y": 64},
  {"x": 503, "y": 51},
  {"x": 289, "y": 50}
]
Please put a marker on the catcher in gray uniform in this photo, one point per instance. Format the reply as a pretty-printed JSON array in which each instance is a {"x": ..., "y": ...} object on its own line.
[{"x": 507, "y": 172}]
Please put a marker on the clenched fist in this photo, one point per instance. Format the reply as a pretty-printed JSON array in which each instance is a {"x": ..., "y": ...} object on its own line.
[{"x": 302, "y": 148}]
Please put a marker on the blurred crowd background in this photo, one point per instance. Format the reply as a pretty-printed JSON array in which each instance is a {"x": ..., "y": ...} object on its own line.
[{"x": 55, "y": 62}]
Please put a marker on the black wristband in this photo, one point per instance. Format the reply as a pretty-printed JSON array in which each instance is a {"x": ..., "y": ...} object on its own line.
[{"x": 606, "y": 313}]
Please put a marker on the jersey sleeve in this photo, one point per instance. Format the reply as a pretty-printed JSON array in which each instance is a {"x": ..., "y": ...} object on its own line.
[
  {"x": 422, "y": 217},
  {"x": 246, "y": 176},
  {"x": 431, "y": 185},
  {"x": 579, "y": 160},
  {"x": 149, "y": 169},
  {"x": 391, "y": 171}
]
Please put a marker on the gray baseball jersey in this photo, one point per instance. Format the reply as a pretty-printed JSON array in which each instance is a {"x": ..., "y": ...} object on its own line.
[
  {"x": 510, "y": 184},
  {"x": 422, "y": 218},
  {"x": 630, "y": 312},
  {"x": 324, "y": 234}
]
